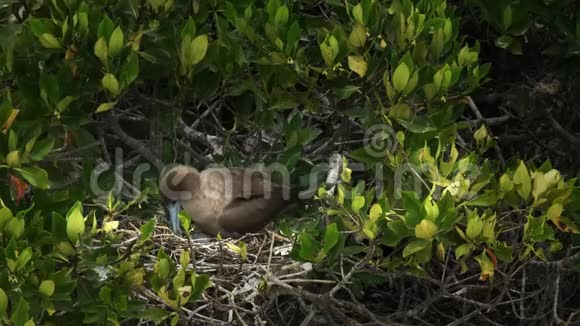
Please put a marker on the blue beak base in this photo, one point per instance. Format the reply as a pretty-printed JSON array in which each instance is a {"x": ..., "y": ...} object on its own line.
[{"x": 174, "y": 208}]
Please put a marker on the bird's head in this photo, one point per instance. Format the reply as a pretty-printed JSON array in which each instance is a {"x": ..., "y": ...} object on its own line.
[{"x": 176, "y": 184}]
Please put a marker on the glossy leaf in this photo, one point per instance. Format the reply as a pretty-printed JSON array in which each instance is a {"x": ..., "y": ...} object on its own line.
[{"x": 75, "y": 223}]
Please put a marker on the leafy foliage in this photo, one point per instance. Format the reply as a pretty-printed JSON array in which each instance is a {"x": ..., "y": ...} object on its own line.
[{"x": 71, "y": 69}]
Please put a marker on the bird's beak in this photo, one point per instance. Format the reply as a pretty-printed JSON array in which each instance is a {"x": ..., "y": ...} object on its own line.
[{"x": 174, "y": 207}]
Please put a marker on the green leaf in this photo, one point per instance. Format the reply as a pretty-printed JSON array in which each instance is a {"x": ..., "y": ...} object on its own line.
[
  {"x": 555, "y": 211},
  {"x": 329, "y": 49},
  {"x": 37, "y": 177},
  {"x": 487, "y": 199},
  {"x": 357, "y": 203},
  {"x": 3, "y": 303},
  {"x": 101, "y": 50},
  {"x": 400, "y": 111},
  {"x": 64, "y": 103},
  {"x": 463, "y": 250},
  {"x": 75, "y": 222},
  {"x": 425, "y": 230},
  {"x": 331, "y": 237},
  {"x": 401, "y": 77},
  {"x": 198, "y": 49},
  {"x": 105, "y": 107},
  {"x": 38, "y": 26},
  {"x": 412, "y": 83},
  {"x": 116, "y": 42},
  {"x": 156, "y": 315},
  {"x": 14, "y": 227},
  {"x": 110, "y": 83},
  {"x": 308, "y": 248},
  {"x": 200, "y": 284},
  {"x": 358, "y": 36},
  {"x": 42, "y": 149},
  {"x": 163, "y": 268},
  {"x": 46, "y": 288},
  {"x": 357, "y": 14},
  {"x": 281, "y": 17},
  {"x": 188, "y": 28},
  {"x": 12, "y": 141},
  {"x": 130, "y": 70},
  {"x": 49, "y": 88},
  {"x": 147, "y": 230},
  {"x": 105, "y": 28},
  {"x": 5, "y": 216},
  {"x": 20, "y": 314},
  {"x": 185, "y": 259},
  {"x": 503, "y": 252},
  {"x": 358, "y": 65},
  {"x": 293, "y": 37},
  {"x": 23, "y": 259},
  {"x": 523, "y": 181},
  {"x": 376, "y": 212},
  {"x": 347, "y": 91},
  {"x": 507, "y": 17},
  {"x": 415, "y": 247},
  {"x": 474, "y": 228},
  {"x": 49, "y": 41},
  {"x": 413, "y": 206}
]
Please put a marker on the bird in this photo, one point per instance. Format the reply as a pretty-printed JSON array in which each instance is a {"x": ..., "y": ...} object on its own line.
[{"x": 229, "y": 201}]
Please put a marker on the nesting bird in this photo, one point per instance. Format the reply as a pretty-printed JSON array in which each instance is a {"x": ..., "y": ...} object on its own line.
[{"x": 230, "y": 201}]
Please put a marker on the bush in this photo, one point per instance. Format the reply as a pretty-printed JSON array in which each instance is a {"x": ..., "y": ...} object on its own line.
[{"x": 239, "y": 82}]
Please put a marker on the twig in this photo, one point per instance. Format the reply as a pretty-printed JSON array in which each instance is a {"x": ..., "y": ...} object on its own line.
[
  {"x": 482, "y": 120},
  {"x": 334, "y": 173},
  {"x": 213, "y": 142},
  {"x": 561, "y": 131},
  {"x": 133, "y": 143},
  {"x": 491, "y": 121}
]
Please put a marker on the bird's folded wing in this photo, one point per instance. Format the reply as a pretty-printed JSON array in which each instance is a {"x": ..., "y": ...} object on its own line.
[
  {"x": 250, "y": 215},
  {"x": 248, "y": 183}
]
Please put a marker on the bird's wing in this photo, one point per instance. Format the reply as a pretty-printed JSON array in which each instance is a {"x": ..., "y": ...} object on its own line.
[
  {"x": 237, "y": 183},
  {"x": 250, "y": 215}
]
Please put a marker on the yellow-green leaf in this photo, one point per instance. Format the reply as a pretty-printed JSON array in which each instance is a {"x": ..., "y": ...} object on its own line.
[
  {"x": 116, "y": 42},
  {"x": 474, "y": 228},
  {"x": 375, "y": 212},
  {"x": 329, "y": 49},
  {"x": 486, "y": 265},
  {"x": 198, "y": 49},
  {"x": 49, "y": 41},
  {"x": 357, "y": 13},
  {"x": 555, "y": 211},
  {"x": 163, "y": 268},
  {"x": 357, "y": 203},
  {"x": 401, "y": 77},
  {"x": 105, "y": 107},
  {"x": 13, "y": 159},
  {"x": 358, "y": 36},
  {"x": 110, "y": 83},
  {"x": 3, "y": 303},
  {"x": 358, "y": 65},
  {"x": 14, "y": 227},
  {"x": 37, "y": 177},
  {"x": 400, "y": 111},
  {"x": 425, "y": 230},
  {"x": 281, "y": 17},
  {"x": 101, "y": 50},
  {"x": 522, "y": 179},
  {"x": 46, "y": 288},
  {"x": 75, "y": 223},
  {"x": 110, "y": 226}
]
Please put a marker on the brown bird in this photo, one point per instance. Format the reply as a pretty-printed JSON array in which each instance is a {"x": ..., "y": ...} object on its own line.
[{"x": 229, "y": 201}]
